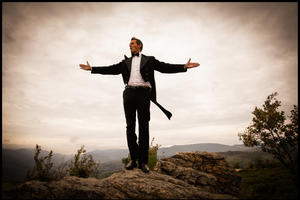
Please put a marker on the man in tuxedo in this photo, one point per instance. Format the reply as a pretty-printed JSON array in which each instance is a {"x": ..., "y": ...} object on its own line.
[{"x": 138, "y": 77}]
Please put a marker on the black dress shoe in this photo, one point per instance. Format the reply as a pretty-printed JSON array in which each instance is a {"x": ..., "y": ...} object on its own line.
[
  {"x": 144, "y": 167},
  {"x": 132, "y": 164}
]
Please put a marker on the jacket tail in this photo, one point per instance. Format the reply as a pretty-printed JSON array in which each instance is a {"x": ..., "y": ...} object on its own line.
[{"x": 167, "y": 113}]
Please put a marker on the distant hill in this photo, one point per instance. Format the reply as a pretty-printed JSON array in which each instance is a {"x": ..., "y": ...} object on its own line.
[
  {"x": 209, "y": 147},
  {"x": 16, "y": 162},
  {"x": 117, "y": 154},
  {"x": 109, "y": 155}
]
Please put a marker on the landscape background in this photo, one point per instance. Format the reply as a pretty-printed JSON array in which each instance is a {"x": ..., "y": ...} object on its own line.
[
  {"x": 262, "y": 176},
  {"x": 16, "y": 162}
]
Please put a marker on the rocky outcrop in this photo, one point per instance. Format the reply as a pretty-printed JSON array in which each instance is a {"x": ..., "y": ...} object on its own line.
[
  {"x": 207, "y": 171},
  {"x": 195, "y": 175}
]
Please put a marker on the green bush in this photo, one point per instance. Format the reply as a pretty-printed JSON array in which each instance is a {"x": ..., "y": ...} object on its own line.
[
  {"x": 84, "y": 166},
  {"x": 125, "y": 161},
  {"x": 152, "y": 156},
  {"x": 152, "y": 160},
  {"x": 42, "y": 167}
]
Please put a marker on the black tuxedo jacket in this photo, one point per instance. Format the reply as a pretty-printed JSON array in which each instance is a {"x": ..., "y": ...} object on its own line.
[{"x": 147, "y": 67}]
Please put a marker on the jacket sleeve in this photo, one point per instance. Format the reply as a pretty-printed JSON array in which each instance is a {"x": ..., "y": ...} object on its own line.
[
  {"x": 167, "y": 68},
  {"x": 108, "y": 70}
]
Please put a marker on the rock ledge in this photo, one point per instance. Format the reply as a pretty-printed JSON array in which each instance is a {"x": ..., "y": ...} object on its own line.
[{"x": 192, "y": 175}]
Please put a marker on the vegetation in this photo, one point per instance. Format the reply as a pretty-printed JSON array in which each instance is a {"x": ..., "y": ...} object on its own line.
[
  {"x": 152, "y": 160},
  {"x": 152, "y": 156},
  {"x": 42, "y": 168},
  {"x": 61, "y": 170},
  {"x": 263, "y": 176},
  {"x": 270, "y": 131},
  {"x": 249, "y": 159},
  {"x": 267, "y": 183},
  {"x": 84, "y": 166},
  {"x": 125, "y": 161}
]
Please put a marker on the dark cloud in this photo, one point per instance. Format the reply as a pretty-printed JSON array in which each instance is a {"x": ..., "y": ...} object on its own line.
[{"x": 278, "y": 21}]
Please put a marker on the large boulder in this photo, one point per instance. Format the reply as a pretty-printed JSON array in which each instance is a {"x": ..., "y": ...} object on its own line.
[
  {"x": 182, "y": 176},
  {"x": 207, "y": 171}
]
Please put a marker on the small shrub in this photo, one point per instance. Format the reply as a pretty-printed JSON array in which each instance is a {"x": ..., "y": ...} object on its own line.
[
  {"x": 84, "y": 166},
  {"x": 42, "y": 167},
  {"x": 152, "y": 156},
  {"x": 125, "y": 161},
  {"x": 152, "y": 160}
]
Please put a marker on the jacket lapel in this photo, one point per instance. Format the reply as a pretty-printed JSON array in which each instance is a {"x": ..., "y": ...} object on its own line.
[
  {"x": 128, "y": 62},
  {"x": 144, "y": 60}
]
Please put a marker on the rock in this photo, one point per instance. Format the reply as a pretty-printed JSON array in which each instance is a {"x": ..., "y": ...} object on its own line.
[
  {"x": 207, "y": 171},
  {"x": 138, "y": 185},
  {"x": 179, "y": 177}
]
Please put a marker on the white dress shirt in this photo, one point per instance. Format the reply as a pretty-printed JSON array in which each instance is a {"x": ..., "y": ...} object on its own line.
[{"x": 135, "y": 78}]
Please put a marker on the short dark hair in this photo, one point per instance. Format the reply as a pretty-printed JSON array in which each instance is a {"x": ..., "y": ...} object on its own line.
[{"x": 138, "y": 41}]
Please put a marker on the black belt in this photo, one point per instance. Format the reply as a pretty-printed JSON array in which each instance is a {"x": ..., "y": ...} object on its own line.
[{"x": 137, "y": 87}]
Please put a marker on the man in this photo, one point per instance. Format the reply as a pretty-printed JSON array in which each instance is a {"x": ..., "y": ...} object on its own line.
[{"x": 138, "y": 76}]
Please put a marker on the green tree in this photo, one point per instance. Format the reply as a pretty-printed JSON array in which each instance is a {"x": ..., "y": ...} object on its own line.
[
  {"x": 83, "y": 165},
  {"x": 270, "y": 131},
  {"x": 42, "y": 167}
]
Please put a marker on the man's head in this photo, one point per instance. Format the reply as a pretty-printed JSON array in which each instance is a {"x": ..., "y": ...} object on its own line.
[{"x": 135, "y": 45}]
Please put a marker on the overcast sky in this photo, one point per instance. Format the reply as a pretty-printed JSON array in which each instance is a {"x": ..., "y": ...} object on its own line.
[{"x": 246, "y": 52}]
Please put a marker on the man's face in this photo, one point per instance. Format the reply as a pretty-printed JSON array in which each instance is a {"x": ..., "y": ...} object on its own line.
[{"x": 134, "y": 47}]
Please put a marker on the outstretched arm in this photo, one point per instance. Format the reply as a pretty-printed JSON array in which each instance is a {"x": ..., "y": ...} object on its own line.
[
  {"x": 112, "y": 69},
  {"x": 189, "y": 64},
  {"x": 173, "y": 68}
]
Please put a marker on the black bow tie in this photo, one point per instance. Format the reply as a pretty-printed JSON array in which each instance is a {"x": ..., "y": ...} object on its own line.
[{"x": 135, "y": 54}]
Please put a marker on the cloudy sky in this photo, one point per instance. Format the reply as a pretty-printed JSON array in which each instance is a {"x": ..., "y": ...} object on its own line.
[{"x": 246, "y": 52}]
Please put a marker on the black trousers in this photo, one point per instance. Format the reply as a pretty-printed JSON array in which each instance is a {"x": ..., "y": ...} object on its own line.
[{"x": 137, "y": 100}]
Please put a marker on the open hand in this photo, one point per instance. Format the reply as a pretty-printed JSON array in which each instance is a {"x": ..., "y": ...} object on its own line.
[
  {"x": 85, "y": 67},
  {"x": 189, "y": 64}
]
